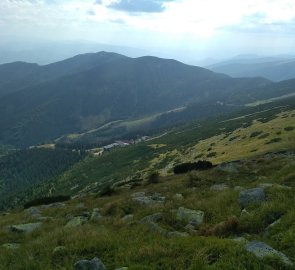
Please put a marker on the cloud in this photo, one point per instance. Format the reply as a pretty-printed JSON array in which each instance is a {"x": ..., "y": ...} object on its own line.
[{"x": 146, "y": 6}]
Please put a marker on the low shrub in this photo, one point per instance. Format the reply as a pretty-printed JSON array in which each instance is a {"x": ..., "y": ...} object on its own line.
[
  {"x": 46, "y": 200},
  {"x": 188, "y": 166}
]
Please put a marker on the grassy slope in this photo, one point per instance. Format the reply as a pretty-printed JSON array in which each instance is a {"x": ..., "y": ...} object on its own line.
[
  {"x": 130, "y": 244},
  {"x": 119, "y": 243},
  {"x": 188, "y": 143}
]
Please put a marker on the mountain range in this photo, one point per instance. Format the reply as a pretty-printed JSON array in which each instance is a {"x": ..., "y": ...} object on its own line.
[
  {"x": 272, "y": 68},
  {"x": 42, "y": 103}
]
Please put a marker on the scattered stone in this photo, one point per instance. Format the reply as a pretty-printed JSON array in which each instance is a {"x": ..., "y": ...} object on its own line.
[
  {"x": 11, "y": 245},
  {"x": 156, "y": 228},
  {"x": 138, "y": 194},
  {"x": 155, "y": 199},
  {"x": 230, "y": 167},
  {"x": 80, "y": 206},
  {"x": 262, "y": 250},
  {"x": 152, "y": 218},
  {"x": 59, "y": 250},
  {"x": 25, "y": 228},
  {"x": 34, "y": 212},
  {"x": 219, "y": 187},
  {"x": 54, "y": 205},
  {"x": 178, "y": 197},
  {"x": 193, "y": 217},
  {"x": 96, "y": 215},
  {"x": 127, "y": 218},
  {"x": 253, "y": 195},
  {"x": 265, "y": 185},
  {"x": 76, "y": 222},
  {"x": 244, "y": 213},
  {"x": 59, "y": 254},
  {"x": 94, "y": 264}
]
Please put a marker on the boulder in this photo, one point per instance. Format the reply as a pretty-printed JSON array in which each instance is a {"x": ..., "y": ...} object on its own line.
[
  {"x": 193, "y": 217},
  {"x": 94, "y": 264},
  {"x": 25, "y": 228},
  {"x": 262, "y": 250},
  {"x": 253, "y": 195},
  {"x": 219, "y": 187},
  {"x": 76, "y": 222}
]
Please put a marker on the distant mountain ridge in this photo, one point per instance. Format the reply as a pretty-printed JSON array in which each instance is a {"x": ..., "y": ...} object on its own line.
[
  {"x": 272, "y": 68},
  {"x": 41, "y": 103}
]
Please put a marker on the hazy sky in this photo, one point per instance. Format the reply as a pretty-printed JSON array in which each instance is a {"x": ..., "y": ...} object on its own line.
[{"x": 204, "y": 28}]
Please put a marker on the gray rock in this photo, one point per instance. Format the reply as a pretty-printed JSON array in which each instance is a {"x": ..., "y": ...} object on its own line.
[
  {"x": 244, "y": 213},
  {"x": 193, "y": 217},
  {"x": 178, "y": 197},
  {"x": 96, "y": 215},
  {"x": 152, "y": 218},
  {"x": 25, "y": 228},
  {"x": 34, "y": 212},
  {"x": 138, "y": 194},
  {"x": 11, "y": 245},
  {"x": 155, "y": 199},
  {"x": 156, "y": 228},
  {"x": 253, "y": 195},
  {"x": 76, "y": 222},
  {"x": 54, "y": 205},
  {"x": 80, "y": 206},
  {"x": 127, "y": 218},
  {"x": 94, "y": 264},
  {"x": 59, "y": 250},
  {"x": 265, "y": 185},
  {"x": 230, "y": 167},
  {"x": 262, "y": 250},
  {"x": 219, "y": 187}
]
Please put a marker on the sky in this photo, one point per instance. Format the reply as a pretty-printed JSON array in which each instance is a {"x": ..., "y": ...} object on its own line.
[{"x": 181, "y": 29}]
